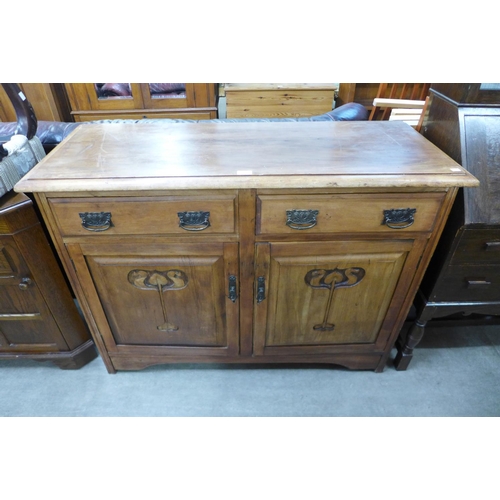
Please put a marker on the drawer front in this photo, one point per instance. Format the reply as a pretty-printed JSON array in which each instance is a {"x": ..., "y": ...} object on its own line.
[
  {"x": 387, "y": 213},
  {"x": 469, "y": 284},
  {"x": 158, "y": 215},
  {"x": 478, "y": 246}
]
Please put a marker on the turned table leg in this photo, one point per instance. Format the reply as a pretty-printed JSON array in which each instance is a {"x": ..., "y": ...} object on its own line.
[{"x": 405, "y": 348}]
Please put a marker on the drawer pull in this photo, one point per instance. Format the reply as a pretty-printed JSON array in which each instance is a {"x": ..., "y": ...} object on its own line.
[
  {"x": 194, "y": 221},
  {"x": 96, "y": 221},
  {"x": 399, "y": 218},
  {"x": 232, "y": 288},
  {"x": 477, "y": 282},
  {"x": 492, "y": 245},
  {"x": 261, "y": 289},
  {"x": 301, "y": 219}
]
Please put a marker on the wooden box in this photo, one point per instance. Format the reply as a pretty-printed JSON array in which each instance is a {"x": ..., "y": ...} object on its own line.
[{"x": 278, "y": 100}]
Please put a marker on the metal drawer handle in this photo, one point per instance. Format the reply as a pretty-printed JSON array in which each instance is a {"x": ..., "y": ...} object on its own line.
[
  {"x": 194, "y": 221},
  {"x": 477, "y": 282},
  {"x": 301, "y": 219},
  {"x": 96, "y": 221},
  {"x": 492, "y": 245},
  {"x": 399, "y": 218}
]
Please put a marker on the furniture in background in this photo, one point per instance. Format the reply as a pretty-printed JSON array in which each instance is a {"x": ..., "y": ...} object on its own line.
[
  {"x": 102, "y": 101},
  {"x": 366, "y": 93},
  {"x": 463, "y": 120},
  {"x": 52, "y": 133},
  {"x": 362, "y": 93},
  {"x": 38, "y": 317},
  {"x": 282, "y": 242},
  {"x": 400, "y": 101},
  {"x": 278, "y": 100},
  {"x": 49, "y": 101}
]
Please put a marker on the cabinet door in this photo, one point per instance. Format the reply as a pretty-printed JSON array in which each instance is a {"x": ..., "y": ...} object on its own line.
[
  {"x": 328, "y": 297},
  {"x": 175, "y": 299},
  {"x": 26, "y": 323}
]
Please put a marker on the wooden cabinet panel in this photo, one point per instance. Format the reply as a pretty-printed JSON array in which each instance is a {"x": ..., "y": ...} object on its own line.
[
  {"x": 481, "y": 245},
  {"x": 169, "y": 300},
  {"x": 156, "y": 215},
  {"x": 322, "y": 294},
  {"x": 347, "y": 213},
  {"x": 108, "y": 101},
  {"x": 26, "y": 323}
]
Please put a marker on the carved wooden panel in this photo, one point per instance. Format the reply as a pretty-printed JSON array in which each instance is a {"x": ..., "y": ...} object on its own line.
[
  {"x": 320, "y": 294},
  {"x": 172, "y": 296}
]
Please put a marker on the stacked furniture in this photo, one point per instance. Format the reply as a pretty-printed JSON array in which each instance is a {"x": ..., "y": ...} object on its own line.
[
  {"x": 39, "y": 318},
  {"x": 463, "y": 120}
]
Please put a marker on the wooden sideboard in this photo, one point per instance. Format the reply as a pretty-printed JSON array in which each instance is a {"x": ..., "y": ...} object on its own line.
[
  {"x": 463, "y": 120},
  {"x": 277, "y": 242},
  {"x": 38, "y": 317}
]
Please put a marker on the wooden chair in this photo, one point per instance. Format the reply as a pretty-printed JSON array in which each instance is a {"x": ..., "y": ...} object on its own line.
[{"x": 400, "y": 101}]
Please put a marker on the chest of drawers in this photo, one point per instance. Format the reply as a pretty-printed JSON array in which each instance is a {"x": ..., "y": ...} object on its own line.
[
  {"x": 246, "y": 242},
  {"x": 463, "y": 120},
  {"x": 38, "y": 317}
]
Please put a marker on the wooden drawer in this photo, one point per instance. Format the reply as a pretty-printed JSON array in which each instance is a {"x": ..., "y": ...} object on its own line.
[
  {"x": 472, "y": 283},
  {"x": 478, "y": 246},
  {"x": 278, "y": 214},
  {"x": 145, "y": 215}
]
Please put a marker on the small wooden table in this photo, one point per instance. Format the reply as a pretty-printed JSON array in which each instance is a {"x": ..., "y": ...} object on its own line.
[{"x": 276, "y": 242}]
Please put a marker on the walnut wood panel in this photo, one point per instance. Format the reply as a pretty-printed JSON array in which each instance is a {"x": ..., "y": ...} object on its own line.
[
  {"x": 347, "y": 213},
  {"x": 307, "y": 315},
  {"x": 157, "y": 215},
  {"x": 171, "y": 298}
]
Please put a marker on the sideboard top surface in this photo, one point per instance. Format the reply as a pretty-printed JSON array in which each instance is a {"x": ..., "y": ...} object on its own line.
[{"x": 225, "y": 155}]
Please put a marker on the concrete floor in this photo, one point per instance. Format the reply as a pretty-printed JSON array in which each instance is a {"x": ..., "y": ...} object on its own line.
[{"x": 455, "y": 373}]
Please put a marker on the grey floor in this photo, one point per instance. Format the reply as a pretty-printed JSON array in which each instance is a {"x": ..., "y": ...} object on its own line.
[{"x": 455, "y": 373}]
